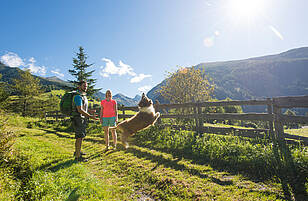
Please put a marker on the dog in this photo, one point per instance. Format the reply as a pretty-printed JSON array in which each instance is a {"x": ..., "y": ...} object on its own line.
[{"x": 145, "y": 118}]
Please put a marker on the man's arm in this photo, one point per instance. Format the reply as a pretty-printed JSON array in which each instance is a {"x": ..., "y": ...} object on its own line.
[{"x": 84, "y": 113}]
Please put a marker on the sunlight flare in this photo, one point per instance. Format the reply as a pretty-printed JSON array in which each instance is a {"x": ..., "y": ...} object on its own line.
[
  {"x": 276, "y": 32},
  {"x": 245, "y": 10}
]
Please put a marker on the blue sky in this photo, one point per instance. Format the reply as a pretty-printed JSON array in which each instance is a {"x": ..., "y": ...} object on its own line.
[{"x": 134, "y": 43}]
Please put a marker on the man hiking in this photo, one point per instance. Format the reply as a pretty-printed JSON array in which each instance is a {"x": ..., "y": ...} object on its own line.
[{"x": 79, "y": 118}]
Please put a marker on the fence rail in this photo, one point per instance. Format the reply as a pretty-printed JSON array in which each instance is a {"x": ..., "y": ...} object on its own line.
[{"x": 274, "y": 118}]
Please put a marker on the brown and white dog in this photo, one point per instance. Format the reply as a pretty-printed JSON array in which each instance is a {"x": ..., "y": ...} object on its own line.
[{"x": 145, "y": 118}]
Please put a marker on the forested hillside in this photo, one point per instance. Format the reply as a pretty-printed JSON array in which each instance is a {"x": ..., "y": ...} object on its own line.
[
  {"x": 283, "y": 74},
  {"x": 10, "y": 73}
]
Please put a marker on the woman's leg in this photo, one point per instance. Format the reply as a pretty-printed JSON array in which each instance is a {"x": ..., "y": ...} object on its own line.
[
  {"x": 114, "y": 137},
  {"x": 106, "y": 130}
]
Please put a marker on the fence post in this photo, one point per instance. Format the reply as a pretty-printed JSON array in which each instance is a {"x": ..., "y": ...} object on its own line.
[
  {"x": 277, "y": 122},
  {"x": 270, "y": 111},
  {"x": 195, "y": 109},
  {"x": 200, "y": 123},
  {"x": 57, "y": 116},
  {"x": 123, "y": 111}
]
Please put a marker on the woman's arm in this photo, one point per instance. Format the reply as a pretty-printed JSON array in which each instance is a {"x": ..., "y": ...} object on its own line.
[
  {"x": 101, "y": 113},
  {"x": 116, "y": 111}
]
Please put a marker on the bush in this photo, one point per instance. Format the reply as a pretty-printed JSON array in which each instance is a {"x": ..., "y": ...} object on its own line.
[
  {"x": 6, "y": 137},
  {"x": 8, "y": 185},
  {"x": 254, "y": 157}
]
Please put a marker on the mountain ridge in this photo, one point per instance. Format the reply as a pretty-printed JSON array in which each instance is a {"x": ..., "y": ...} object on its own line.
[
  {"x": 280, "y": 74},
  {"x": 54, "y": 82}
]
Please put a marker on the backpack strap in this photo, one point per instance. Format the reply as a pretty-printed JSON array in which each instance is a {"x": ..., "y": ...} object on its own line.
[
  {"x": 75, "y": 111},
  {"x": 74, "y": 107}
]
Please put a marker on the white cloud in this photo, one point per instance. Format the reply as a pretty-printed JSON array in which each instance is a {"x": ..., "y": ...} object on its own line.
[
  {"x": 276, "y": 32},
  {"x": 126, "y": 69},
  {"x": 112, "y": 69},
  {"x": 11, "y": 59},
  {"x": 36, "y": 69},
  {"x": 121, "y": 69},
  {"x": 144, "y": 88},
  {"x": 32, "y": 60},
  {"x": 139, "y": 78},
  {"x": 57, "y": 72}
]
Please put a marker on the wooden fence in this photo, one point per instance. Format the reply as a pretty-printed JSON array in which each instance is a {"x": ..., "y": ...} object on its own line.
[{"x": 274, "y": 117}]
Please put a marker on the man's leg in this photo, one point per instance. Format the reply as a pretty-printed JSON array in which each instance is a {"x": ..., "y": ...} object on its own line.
[{"x": 78, "y": 147}]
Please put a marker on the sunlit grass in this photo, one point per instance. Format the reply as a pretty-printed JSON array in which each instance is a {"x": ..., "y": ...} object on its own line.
[
  {"x": 301, "y": 131},
  {"x": 161, "y": 164}
]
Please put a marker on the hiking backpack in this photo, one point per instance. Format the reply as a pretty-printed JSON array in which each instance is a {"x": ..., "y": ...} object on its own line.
[{"x": 66, "y": 103}]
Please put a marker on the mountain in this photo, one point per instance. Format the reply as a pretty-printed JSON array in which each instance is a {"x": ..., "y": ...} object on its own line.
[
  {"x": 120, "y": 98},
  {"x": 137, "y": 98},
  {"x": 58, "y": 80},
  {"x": 124, "y": 100},
  {"x": 10, "y": 73},
  {"x": 283, "y": 74}
]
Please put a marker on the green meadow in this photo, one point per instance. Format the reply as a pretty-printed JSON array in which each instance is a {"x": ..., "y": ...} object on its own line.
[{"x": 161, "y": 164}]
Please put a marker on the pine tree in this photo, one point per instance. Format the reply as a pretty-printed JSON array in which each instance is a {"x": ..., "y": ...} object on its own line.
[
  {"x": 3, "y": 93},
  {"x": 80, "y": 72},
  {"x": 27, "y": 88}
]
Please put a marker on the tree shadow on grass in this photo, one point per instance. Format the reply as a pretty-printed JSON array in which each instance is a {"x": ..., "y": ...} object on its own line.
[
  {"x": 174, "y": 164},
  {"x": 64, "y": 164},
  {"x": 71, "y": 137},
  {"x": 58, "y": 134},
  {"x": 291, "y": 178},
  {"x": 73, "y": 196},
  {"x": 54, "y": 166}
]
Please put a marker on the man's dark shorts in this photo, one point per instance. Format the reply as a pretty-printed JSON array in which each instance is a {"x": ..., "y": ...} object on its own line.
[{"x": 79, "y": 125}]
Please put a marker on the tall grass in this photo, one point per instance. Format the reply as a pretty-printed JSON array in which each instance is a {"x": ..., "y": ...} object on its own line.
[
  {"x": 252, "y": 157},
  {"x": 7, "y": 138}
]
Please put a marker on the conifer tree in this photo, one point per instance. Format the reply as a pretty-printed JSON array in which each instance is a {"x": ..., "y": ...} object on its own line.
[
  {"x": 27, "y": 88},
  {"x": 3, "y": 93},
  {"x": 80, "y": 73}
]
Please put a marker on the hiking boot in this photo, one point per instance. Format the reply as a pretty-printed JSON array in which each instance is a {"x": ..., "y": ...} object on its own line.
[
  {"x": 81, "y": 159},
  {"x": 107, "y": 148}
]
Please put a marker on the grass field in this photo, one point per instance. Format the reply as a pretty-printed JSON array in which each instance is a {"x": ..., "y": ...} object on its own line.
[{"x": 158, "y": 166}]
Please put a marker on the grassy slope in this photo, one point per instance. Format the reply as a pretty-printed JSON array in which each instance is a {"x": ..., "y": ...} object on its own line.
[{"x": 49, "y": 172}]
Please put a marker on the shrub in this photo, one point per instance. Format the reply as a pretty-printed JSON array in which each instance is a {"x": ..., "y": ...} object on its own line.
[
  {"x": 254, "y": 157},
  {"x": 6, "y": 137}
]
